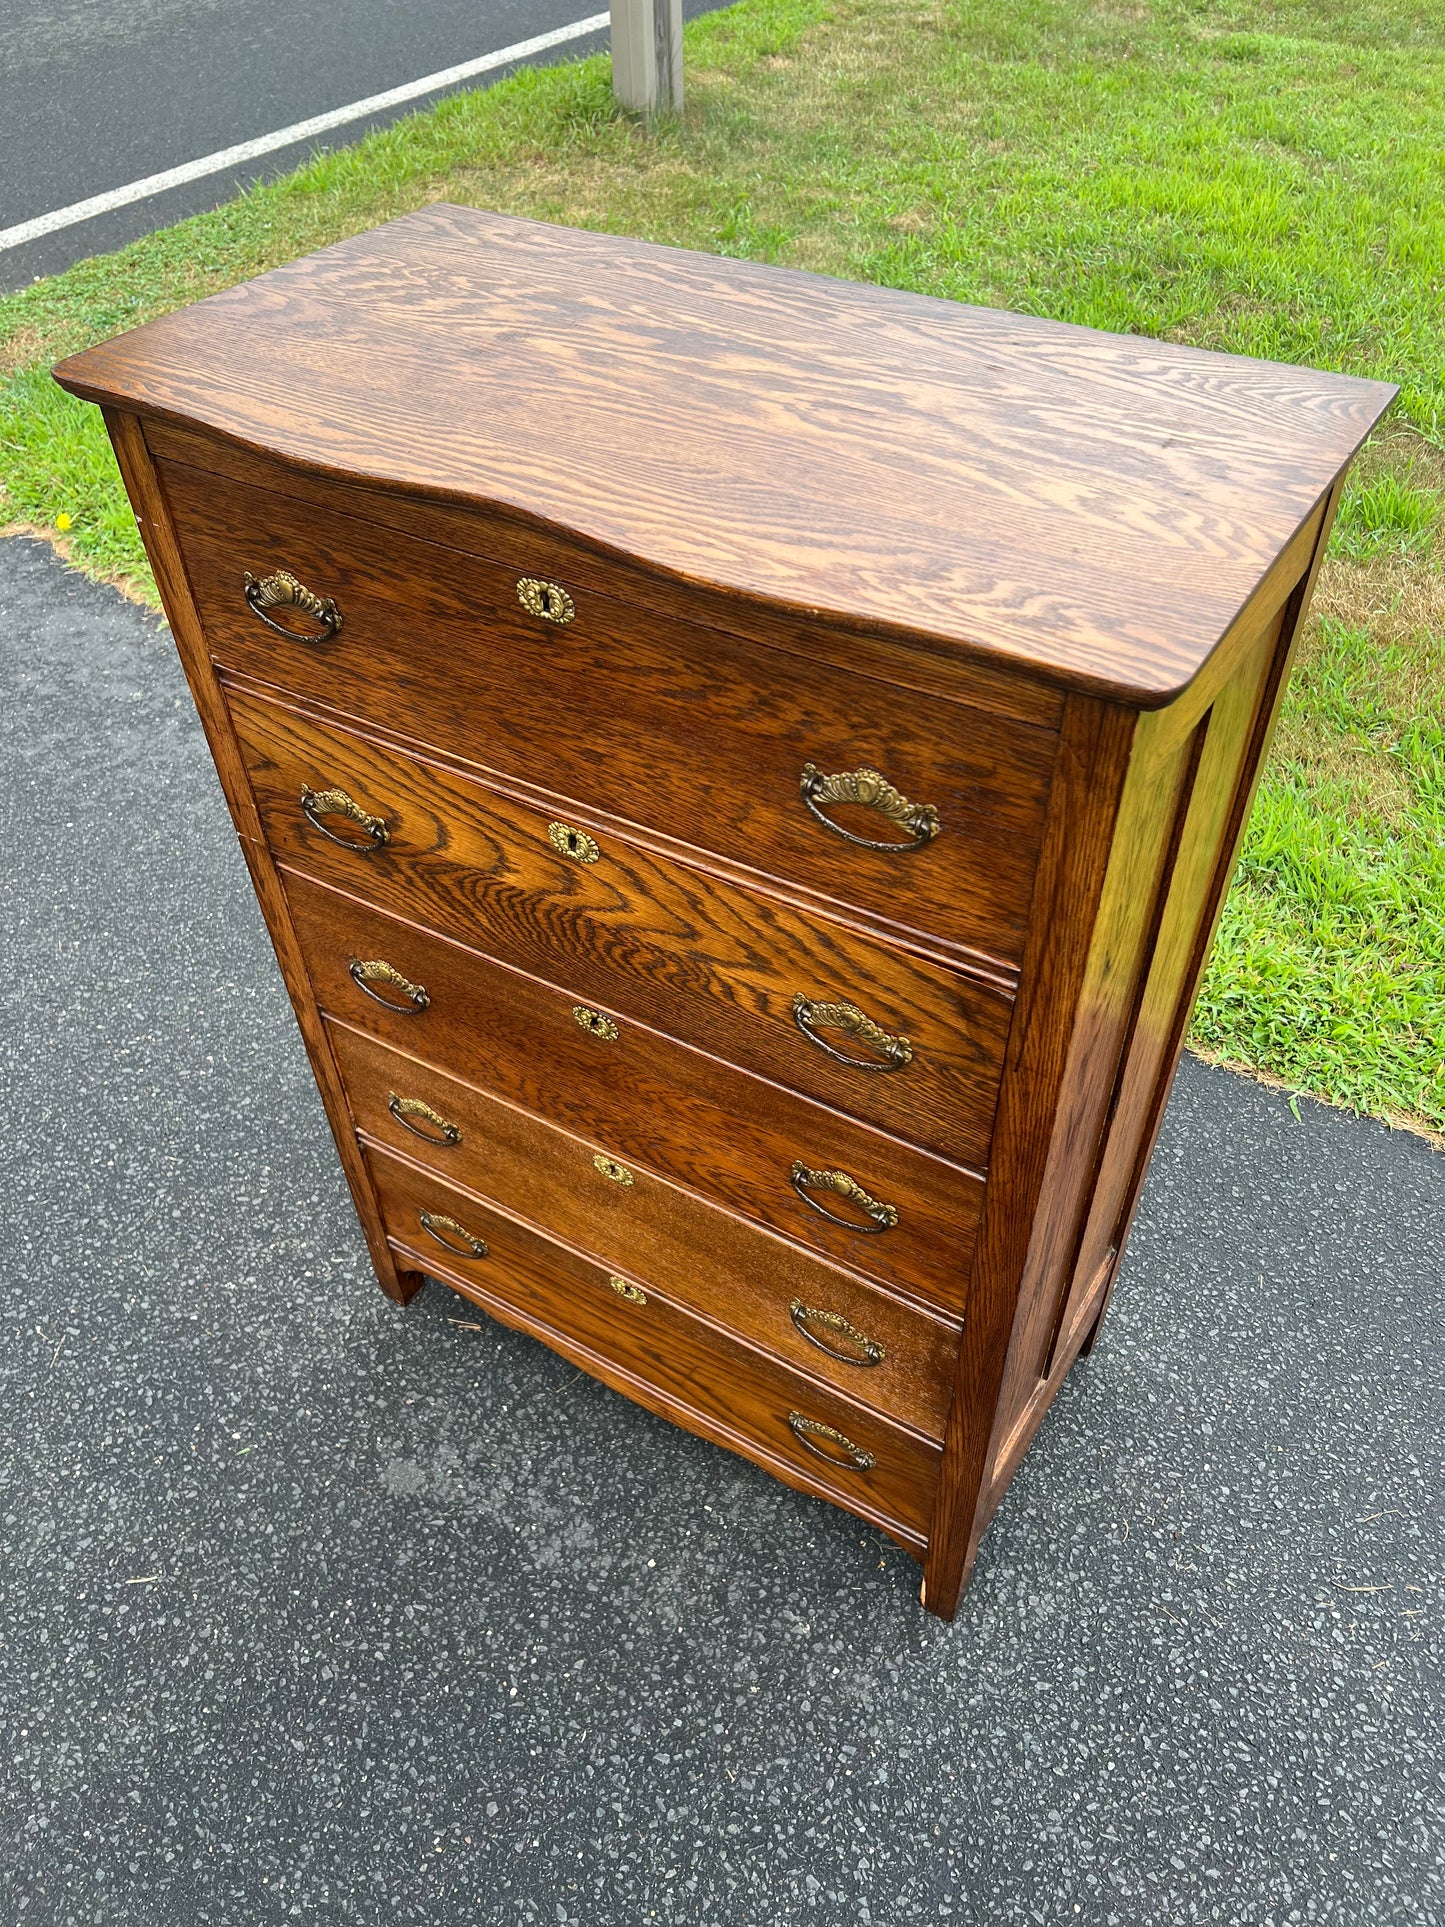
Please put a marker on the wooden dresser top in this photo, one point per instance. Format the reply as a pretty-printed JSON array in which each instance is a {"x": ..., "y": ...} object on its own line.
[{"x": 1097, "y": 508}]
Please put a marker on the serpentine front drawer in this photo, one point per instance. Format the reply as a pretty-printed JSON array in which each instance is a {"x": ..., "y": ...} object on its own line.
[
  {"x": 894, "y": 1039},
  {"x": 850, "y": 1193},
  {"x": 815, "y": 1317},
  {"x": 785, "y": 740},
  {"x": 710, "y": 737},
  {"x": 643, "y": 1342}
]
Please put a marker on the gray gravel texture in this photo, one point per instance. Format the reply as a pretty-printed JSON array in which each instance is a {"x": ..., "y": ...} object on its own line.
[{"x": 318, "y": 1610}]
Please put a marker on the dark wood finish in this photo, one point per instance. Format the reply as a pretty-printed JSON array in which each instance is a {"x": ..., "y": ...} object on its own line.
[
  {"x": 1097, "y": 507},
  {"x": 659, "y": 1354},
  {"x": 731, "y": 1274},
  {"x": 704, "y": 745},
  {"x": 658, "y": 1104},
  {"x": 664, "y": 942},
  {"x": 1045, "y": 579}
]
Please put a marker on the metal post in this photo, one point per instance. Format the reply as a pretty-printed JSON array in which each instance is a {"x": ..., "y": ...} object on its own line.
[{"x": 647, "y": 55}]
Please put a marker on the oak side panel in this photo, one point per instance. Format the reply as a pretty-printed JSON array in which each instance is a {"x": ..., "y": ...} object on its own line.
[
  {"x": 1064, "y": 1301},
  {"x": 157, "y": 532},
  {"x": 1290, "y": 629},
  {"x": 1035, "y": 1146}
]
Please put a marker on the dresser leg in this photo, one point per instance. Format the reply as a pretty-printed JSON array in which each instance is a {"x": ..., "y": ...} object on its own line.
[
  {"x": 400, "y": 1286},
  {"x": 1093, "y": 1333}
]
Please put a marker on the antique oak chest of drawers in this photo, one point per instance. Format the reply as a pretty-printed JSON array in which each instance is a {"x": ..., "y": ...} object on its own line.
[{"x": 740, "y": 771}]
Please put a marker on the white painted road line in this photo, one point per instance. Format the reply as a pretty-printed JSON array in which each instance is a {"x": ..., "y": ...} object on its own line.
[{"x": 63, "y": 217}]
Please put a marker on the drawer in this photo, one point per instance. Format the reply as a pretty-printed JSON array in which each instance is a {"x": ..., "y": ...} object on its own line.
[
  {"x": 729, "y": 1137},
  {"x": 689, "y": 732},
  {"x": 693, "y": 955},
  {"x": 816, "y": 1318},
  {"x": 664, "y": 1357}
]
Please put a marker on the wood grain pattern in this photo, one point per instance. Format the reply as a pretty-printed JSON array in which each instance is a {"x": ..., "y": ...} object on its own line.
[
  {"x": 159, "y": 535},
  {"x": 660, "y": 1355},
  {"x": 1045, "y": 579},
  {"x": 729, "y": 1137},
  {"x": 662, "y": 941},
  {"x": 488, "y": 531},
  {"x": 1096, "y": 508},
  {"x": 1139, "y": 1126},
  {"x": 704, "y": 745},
  {"x": 1036, "y": 1151},
  {"x": 734, "y": 1276},
  {"x": 1113, "y": 1042}
]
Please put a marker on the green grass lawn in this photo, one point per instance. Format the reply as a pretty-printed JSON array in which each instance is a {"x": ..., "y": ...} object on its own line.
[{"x": 1261, "y": 176}]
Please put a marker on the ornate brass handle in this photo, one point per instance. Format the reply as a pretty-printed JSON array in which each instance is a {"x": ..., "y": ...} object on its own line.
[
  {"x": 318, "y": 803},
  {"x": 881, "y": 1217},
  {"x": 404, "y": 1109},
  {"x": 436, "y": 1226},
  {"x": 873, "y": 792},
  {"x": 283, "y": 591},
  {"x": 893, "y": 1053},
  {"x": 806, "y": 1430},
  {"x": 865, "y": 1350},
  {"x": 376, "y": 970}
]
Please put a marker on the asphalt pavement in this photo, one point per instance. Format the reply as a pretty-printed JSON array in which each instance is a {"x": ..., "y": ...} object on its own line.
[
  {"x": 95, "y": 96},
  {"x": 315, "y": 1609}
]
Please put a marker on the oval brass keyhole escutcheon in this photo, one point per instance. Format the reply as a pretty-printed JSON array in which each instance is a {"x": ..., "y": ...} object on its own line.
[
  {"x": 549, "y": 600},
  {"x": 595, "y": 1024},
  {"x": 610, "y": 1169},
  {"x": 629, "y": 1293},
  {"x": 576, "y": 844}
]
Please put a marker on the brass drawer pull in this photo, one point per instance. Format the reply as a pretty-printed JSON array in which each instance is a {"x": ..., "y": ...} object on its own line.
[
  {"x": 404, "y": 1109},
  {"x": 318, "y": 803},
  {"x": 574, "y": 843},
  {"x": 866, "y": 1351},
  {"x": 873, "y": 792},
  {"x": 893, "y": 1053},
  {"x": 629, "y": 1293},
  {"x": 806, "y": 1430},
  {"x": 435, "y": 1225},
  {"x": 610, "y": 1169},
  {"x": 549, "y": 600},
  {"x": 881, "y": 1217},
  {"x": 376, "y": 970},
  {"x": 595, "y": 1024},
  {"x": 283, "y": 591}
]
